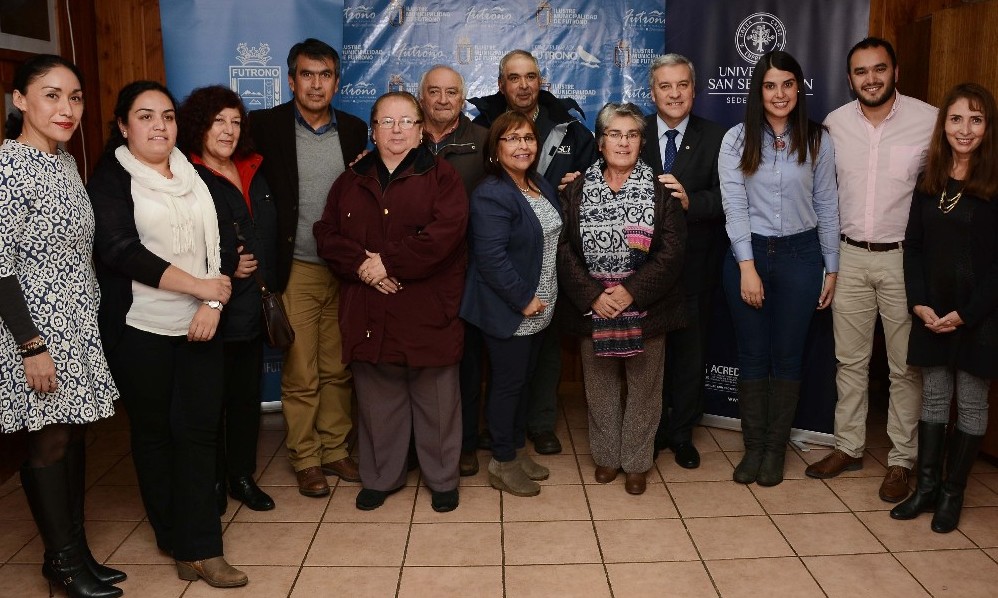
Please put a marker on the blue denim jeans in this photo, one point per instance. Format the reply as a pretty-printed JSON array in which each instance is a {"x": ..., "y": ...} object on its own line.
[{"x": 771, "y": 339}]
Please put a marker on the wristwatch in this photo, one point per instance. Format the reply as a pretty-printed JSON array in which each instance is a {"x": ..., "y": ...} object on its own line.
[{"x": 214, "y": 304}]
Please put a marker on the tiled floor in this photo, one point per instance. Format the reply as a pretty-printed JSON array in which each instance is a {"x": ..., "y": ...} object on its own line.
[{"x": 693, "y": 533}]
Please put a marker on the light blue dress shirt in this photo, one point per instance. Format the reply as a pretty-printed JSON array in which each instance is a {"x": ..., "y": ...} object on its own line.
[{"x": 780, "y": 199}]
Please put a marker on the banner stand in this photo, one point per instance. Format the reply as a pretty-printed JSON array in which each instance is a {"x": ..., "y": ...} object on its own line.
[{"x": 796, "y": 434}]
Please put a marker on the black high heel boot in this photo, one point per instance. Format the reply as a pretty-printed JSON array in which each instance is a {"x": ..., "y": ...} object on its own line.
[
  {"x": 76, "y": 469},
  {"x": 47, "y": 490},
  {"x": 962, "y": 453},
  {"x": 931, "y": 440}
]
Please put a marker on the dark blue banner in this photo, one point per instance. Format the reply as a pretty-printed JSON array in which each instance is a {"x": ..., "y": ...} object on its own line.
[{"x": 724, "y": 40}]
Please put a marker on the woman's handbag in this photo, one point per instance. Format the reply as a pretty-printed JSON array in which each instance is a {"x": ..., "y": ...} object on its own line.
[
  {"x": 278, "y": 330},
  {"x": 276, "y": 326}
]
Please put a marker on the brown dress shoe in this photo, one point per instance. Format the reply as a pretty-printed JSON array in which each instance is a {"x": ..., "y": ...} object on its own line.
[
  {"x": 605, "y": 475},
  {"x": 468, "y": 464},
  {"x": 895, "y": 486},
  {"x": 634, "y": 483},
  {"x": 345, "y": 468},
  {"x": 311, "y": 482},
  {"x": 832, "y": 465}
]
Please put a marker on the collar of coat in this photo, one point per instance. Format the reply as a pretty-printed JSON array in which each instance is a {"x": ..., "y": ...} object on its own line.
[
  {"x": 425, "y": 160},
  {"x": 558, "y": 109}
]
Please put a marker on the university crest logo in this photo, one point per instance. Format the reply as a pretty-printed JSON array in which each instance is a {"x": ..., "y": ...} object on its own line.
[{"x": 759, "y": 33}]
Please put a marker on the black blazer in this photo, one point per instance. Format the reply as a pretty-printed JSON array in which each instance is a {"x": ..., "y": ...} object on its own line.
[
  {"x": 273, "y": 132},
  {"x": 696, "y": 169}
]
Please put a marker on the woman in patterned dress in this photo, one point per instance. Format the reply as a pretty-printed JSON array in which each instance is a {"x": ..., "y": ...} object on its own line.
[
  {"x": 619, "y": 265},
  {"x": 54, "y": 379}
]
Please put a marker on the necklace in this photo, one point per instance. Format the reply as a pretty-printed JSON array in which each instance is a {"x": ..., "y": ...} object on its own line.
[
  {"x": 537, "y": 112},
  {"x": 946, "y": 204}
]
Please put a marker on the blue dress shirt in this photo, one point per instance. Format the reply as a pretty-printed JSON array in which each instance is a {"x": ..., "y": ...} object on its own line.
[{"x": 781, "y": 198}]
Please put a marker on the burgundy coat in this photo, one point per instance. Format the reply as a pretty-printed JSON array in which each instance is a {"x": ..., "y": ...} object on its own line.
[{"x": 417, "y": 224}]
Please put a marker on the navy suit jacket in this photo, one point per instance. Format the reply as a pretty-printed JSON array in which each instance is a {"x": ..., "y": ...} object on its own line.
[
  {"x": 506, "y": 247},
  {"x": 696, "y": 169}
]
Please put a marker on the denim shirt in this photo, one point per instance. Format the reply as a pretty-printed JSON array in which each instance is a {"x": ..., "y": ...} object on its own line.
[{"x": 781, "y": 198}]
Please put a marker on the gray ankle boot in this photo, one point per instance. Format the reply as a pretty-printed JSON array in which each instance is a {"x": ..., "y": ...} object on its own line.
[
  {"x": 508, "y": 476},
  {"x": 782, "y": 409},
  {"x": 534, "y": 470},
  {"x": 753, "y": 400}
]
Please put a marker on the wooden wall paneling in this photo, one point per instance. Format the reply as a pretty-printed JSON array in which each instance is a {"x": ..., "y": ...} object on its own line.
[
  {"x": 913, "y": 47},
  {"x": 129, "y": 45},
  {"x": 964, "y": 48},
  {"x": 76, "y": 34}
]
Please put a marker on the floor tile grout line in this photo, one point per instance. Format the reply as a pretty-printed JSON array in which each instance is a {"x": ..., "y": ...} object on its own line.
[{"x": 408, "y": 536}]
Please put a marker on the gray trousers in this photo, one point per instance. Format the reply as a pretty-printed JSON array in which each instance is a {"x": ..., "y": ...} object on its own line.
[
  {"x": 393, "y": 400},
  {"x": 971, "y": 398},
  {"x": 622, "y": 429}
]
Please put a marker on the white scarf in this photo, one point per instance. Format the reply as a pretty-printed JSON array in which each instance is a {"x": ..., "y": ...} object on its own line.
[{"x": 185, "y": 181}]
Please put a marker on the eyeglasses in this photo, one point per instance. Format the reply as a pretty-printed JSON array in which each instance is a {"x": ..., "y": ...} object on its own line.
[
  {"x": 618, "y": 136},
  {"x": 405, "y": 123},
  {"x": 515, "y": 140}
]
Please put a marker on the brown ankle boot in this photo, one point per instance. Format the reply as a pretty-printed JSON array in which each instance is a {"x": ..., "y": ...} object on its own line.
[{"x": 215, "y": 571}]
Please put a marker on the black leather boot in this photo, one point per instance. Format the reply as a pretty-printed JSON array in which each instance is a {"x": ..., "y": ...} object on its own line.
[
  {"x": 753, "y": 405},
  {"x": 962, "y": 453},
  {"x": 47, "y": 490},
  {"x": 76, "y": 469},
  {"x": 782, "y": 409},
  {"x": 929, "y": 472}
]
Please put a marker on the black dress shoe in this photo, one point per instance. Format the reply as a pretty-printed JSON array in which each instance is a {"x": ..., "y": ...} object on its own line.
[
  {"x": 221, "y": 500},
  {"x": 546, "y": 443},
  {"x": 247, "y": 492},
  {"x": 368, "y": 499},
  {"x": 446, "y": 501},
  {"x": 687, "y": 455}
]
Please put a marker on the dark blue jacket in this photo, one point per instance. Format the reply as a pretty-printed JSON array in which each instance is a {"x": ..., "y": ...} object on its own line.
[
  {"x": 241, "y": 318},
  {"x": 506, "y": 246}
]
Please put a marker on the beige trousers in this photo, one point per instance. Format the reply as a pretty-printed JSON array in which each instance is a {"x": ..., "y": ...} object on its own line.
[
  {"x": 315, "y": 383},
  {"x": 869, "y": 283}
]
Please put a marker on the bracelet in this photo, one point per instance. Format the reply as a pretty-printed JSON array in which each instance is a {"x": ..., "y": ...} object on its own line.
[
  {"x": 30, "y": 345},
  {"x": 37, "y": 349}
]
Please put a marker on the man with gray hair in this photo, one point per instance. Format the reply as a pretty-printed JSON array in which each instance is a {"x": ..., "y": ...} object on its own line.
[
  {"x": 564, "y": 145},
  {"x": 683, "y": 148},
  {"x": 450, "y": 134}
]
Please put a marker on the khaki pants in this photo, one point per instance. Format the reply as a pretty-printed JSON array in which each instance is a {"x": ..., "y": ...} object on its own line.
[
  {"x": 315, "y": 383},
  {"x": 871, "y": 282}
]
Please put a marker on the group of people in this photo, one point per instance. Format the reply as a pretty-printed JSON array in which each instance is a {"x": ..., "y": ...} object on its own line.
[{"x": 402, "y": 267}]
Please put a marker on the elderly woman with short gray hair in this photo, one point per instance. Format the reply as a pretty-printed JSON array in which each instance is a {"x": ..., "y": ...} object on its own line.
[{"x": 619, "y": 263}]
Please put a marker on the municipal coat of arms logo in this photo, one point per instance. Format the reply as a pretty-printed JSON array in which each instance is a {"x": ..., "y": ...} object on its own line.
[{"x": 258, "y": 84}]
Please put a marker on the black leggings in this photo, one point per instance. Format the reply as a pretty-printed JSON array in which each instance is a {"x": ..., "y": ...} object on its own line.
[{"x": 48, "y": 446}]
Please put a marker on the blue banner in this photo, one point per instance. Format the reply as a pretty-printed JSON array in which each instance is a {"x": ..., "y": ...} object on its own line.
[
  {"x": 242, "y": 43},
  {"x": 589, "y": 51}
]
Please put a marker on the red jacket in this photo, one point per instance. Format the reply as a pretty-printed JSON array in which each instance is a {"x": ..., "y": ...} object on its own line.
[{"x": 417, "y": 223}]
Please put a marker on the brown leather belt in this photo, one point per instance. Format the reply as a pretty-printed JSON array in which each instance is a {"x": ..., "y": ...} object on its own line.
[{"x": 873, "y": 246}]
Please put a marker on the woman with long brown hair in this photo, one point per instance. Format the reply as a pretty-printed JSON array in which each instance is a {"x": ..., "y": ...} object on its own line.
[
  {"x": 777, "y": 173},
  {"x": 951, "y": 278}
]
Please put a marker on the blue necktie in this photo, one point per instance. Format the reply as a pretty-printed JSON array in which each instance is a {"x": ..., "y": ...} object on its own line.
[{"x": 670, "y": 151}]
